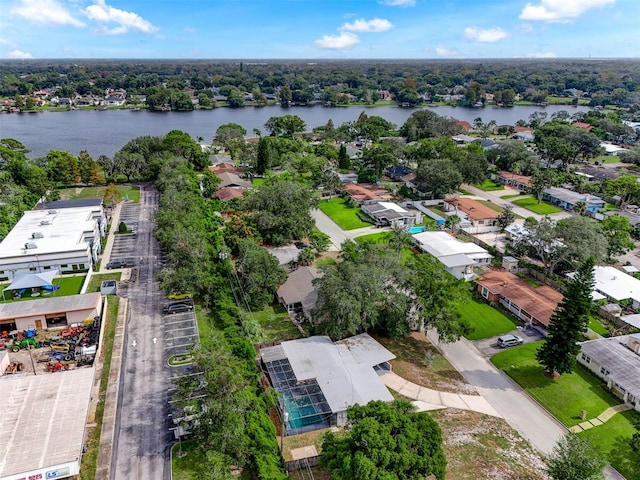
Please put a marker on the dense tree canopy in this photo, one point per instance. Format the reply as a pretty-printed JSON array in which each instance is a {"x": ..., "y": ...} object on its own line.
[{"x": 386, "y": 442}]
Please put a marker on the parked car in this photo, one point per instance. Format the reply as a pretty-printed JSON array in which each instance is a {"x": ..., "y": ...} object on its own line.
[
  {"x": 301, "y": 245},
  {"x": 509, "y": 341},
  {"x": 117, "y": 263},
  {"x": 179, "y": 295},
  {"x": 177, "y": 308}
]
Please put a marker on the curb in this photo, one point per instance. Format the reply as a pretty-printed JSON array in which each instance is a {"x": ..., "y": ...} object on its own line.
[{"x": 107, "y": 436}]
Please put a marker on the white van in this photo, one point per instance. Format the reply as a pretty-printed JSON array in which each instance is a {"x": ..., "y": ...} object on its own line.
[{"x": 509, "y": 341}]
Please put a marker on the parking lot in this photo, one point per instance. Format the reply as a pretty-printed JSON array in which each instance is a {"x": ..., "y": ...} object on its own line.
[
  {"x": 180, "y": 333},
  {"x": 124, "y": 244},
  {"x": 489, "y": 346}
]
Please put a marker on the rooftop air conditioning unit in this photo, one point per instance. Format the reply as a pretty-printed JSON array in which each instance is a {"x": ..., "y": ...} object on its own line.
[
  {"x": 52, "y": 212},
  {"x": 30, "y": 246},
  {"x": 37, "y": 235},
  {"x": 45, "y": 222}
]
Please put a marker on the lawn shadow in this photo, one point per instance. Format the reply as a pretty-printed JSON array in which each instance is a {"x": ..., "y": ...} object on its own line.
[{"x": 621, "y": 458}]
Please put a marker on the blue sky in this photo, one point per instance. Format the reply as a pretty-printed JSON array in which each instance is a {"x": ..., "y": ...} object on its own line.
[{"x": 319, "y": 29}]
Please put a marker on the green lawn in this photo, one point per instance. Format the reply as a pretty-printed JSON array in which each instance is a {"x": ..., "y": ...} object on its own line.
[
  {"x": 489, "y": 186},
  {"x": 564, "y": 397},
  {"x": 606, "y": 159},
  {"x": 126, "y": 191},
  {"x": 541, "y": 208},
  {"x": 377, "y": 238},
  {"x": 596, "y": 326},
  {"x": 187, "y": 467},
  {"x": 612, "y": 438},
  {"x": 345, "y": 216},
  {"x": 506, "y": 197},
  {"x": 485, "y": 320},
  {"x": 276, "y": 324},
  {"x": 68, "y": 286},
  {"x": 97, "y": 279}
]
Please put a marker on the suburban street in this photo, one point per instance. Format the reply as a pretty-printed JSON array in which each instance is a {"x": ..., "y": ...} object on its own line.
[{"x": 142, "y": 436}]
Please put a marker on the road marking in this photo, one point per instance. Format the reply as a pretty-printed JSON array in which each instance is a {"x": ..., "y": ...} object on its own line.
[
  {"x": 154, "y": 340},
  {"x": 134, "y": 343}
]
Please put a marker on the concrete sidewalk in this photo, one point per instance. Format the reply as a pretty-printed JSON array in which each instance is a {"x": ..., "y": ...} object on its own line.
[
  {"x": 428, "y": 399},
  {"x": 602, "y": 418},
  {"x": 106, "y": 253}
]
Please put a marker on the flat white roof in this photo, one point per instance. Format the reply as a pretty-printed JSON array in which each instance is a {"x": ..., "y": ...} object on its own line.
[
  {"x": 441, "y": 244},
  {"x": 392, "y": 206},
  {"x": 43, "y": 419},
  {"x": 344, "y": 370},
  {"x": 616, "y": 284},
  {"x": 62, "y": 231}
]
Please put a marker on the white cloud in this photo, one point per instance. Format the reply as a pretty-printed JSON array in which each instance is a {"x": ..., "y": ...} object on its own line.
[
  {"x": 103, "y": 13},
  {"x": 45, "y": 12},
  {"x": 542, "y": 55},
  {"x": 555, "y": 11},
  {"x": 338, "y": 42},
  {"x": 189, "y": 29},
  {"x": 489, "y": 35},
  {"x": 8, "y": 43},
  {"x": 399, "y": 3},
  {"x": 446, "y": 52},
  {"x": 19, "y": 54},
  {"x": 362, "y": 25}
]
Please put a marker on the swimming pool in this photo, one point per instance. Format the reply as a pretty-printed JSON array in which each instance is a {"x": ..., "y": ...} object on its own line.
[{"x": 416, "y": 229}]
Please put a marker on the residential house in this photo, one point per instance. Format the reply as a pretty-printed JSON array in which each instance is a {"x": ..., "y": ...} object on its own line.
[
  {"x": 326, "y": 377},
  {"x": 615, "y": 285},
  {"x": 567, "y": 199},
  {"x": 477, "y": 217},
  {"x": 612, "y": 150},
  {"x": 400, "y": 173},
  {"x": 535, "y": 306},
  {"x": 389, "y": 213},
  {"x": 583, "y": 125},
  {"x": 463, "y": 139},
  {"x": 225, "y": 167},
  {"x": 465, "y": 125},
  {"x": 229, "y": 193},
  {"x": 458, "y": 257},
  {"x": 617, "y": 362},
  {"x": 525, "y": 137},
  {"x": 298, "y": 294},
  {"x": 366, "y": 193},
  {"x": 520, "y": 182},
  {"x": 229, "y": 179},
  {"x": 486, "y": 143}
]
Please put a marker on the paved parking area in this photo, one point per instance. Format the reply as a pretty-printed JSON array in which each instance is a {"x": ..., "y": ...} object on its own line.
[
  {"x": 180, "y": 332},
  {"x": 489, "y": 346}
]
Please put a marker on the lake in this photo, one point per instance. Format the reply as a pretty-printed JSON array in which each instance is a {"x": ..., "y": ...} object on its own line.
[{"x": 104, "y": 132}]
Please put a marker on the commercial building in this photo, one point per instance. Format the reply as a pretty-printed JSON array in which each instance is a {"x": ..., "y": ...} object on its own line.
[
  {"x": 52, "y": 312},
  {"x": 63, "y": 239},
  {"x": 43, "y": 421}
]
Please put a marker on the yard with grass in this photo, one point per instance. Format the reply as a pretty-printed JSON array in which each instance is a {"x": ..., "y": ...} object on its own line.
[
  {"x": 489, "y": 186},
  {"x": 68, "y": 286},
  {"x": 485, "y": 320},
  {"x": 276, "y": 324},
  {"x": 542, "y": 208},
  {"x": 597, "y": 326},
  {"x": 567, "y": 396},
  {"x": 418, "y": 361},
  {"x": 341, "y": 213},
  {"x": 98, "y": 278},
  {"x": 130, "y": 192}
]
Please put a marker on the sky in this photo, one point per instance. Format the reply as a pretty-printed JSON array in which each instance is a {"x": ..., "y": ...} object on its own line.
[{"x": 319, "y": 29}]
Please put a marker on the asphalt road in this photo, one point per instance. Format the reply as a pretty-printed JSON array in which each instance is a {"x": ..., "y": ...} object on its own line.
[{"x": 142, "y": 438}]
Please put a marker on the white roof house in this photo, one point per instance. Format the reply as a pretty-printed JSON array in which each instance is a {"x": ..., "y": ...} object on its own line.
[
  {"x": 457, "y": 257},
  {"x": 611, "y": 149},
  {"x": 392, "y": 213},
  {"x": 66, "y": 239},
  {"x": 615, "y": 284}
]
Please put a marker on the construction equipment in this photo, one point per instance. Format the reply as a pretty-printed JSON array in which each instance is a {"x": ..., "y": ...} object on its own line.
[
  {"x": 18, "y": 345},
  {"x": 14, "y": 367},
  {"x": 56, "y": 367}
]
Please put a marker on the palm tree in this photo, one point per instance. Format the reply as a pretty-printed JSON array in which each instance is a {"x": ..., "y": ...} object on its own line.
[
  {"x": 452, "y": 222},
  {"x": 580, "y": 207}
]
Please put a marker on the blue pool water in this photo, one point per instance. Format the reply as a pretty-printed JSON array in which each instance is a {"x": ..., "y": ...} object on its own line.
[{"x": 416, "y": 229}]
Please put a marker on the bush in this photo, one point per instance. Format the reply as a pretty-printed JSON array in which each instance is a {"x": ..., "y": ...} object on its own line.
[{"x": 122, "y": 228}]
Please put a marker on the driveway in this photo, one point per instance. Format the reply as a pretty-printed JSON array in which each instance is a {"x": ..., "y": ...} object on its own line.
[
  {"x": 331, "y": 228},
  {"x": 507, "y": 398},
  {"x": 489, "y": 346}
]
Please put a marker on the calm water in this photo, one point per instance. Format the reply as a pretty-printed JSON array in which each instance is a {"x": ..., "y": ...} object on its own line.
[{"x": 106, "y": 132}]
